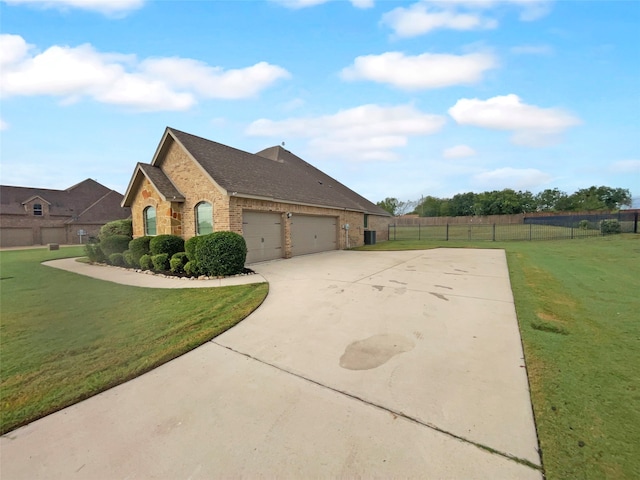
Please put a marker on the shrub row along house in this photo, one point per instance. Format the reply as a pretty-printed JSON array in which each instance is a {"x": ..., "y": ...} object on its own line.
[
  {"x": 38, "y": 216},
  {"x": 282, "y": 205}
]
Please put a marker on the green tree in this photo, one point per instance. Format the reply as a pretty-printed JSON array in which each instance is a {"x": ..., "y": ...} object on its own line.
[
  {"x": 462, "y": 204},
  {"x": 390, "y": 204}
]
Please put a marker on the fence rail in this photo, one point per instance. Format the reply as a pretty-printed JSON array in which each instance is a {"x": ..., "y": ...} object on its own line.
[{"x": 498, "y": 233}]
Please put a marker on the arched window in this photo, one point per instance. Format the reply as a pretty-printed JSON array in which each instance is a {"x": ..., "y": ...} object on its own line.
[
  {"x": 149, "y": 215},
  {"x": 204, "y": 218}
]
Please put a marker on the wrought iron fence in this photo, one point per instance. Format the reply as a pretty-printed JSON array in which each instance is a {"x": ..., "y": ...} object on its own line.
[{"x": 506, "y": 232}]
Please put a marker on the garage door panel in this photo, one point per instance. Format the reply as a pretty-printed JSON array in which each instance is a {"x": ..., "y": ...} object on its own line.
[
  {"x": 262, "y": 232},
  {"x": 53, "y": 235},
  {"x": 16, "y": 237},
  {"x": 311, "y": 234}
]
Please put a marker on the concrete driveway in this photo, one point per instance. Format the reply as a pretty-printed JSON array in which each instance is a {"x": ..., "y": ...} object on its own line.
[{"x": 358, "y": 364}]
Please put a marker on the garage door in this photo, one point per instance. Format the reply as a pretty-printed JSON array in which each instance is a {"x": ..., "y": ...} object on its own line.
[
  {"x": 16, "y": 237},
  {"x": 54, "y": 235},
  {"x": 313, "y": 234},
  {"x": 263, "y": 234}
]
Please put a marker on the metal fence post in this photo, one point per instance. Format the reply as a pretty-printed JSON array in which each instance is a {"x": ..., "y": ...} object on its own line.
[
  {"x": 418, "y": 231},
  {"x": 494, "y": 232},
  {"x": 447, "y": 234}
]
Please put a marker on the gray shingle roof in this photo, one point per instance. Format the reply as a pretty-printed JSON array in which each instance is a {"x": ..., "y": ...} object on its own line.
[
  {"x": 162, "y": 183},
  {"x": 72, "y": 202},
  {"x": 274, "y": 173}
]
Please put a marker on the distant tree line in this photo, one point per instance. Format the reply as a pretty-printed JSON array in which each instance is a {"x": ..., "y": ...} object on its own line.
[{"x": 508, "y": 201}]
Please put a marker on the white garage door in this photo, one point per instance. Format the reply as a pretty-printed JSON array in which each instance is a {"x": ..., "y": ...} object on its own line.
[
  {"x": 313, "y": 234},
  {"x": 263, "y": 233},
  {"x": 16, "y": 237}
]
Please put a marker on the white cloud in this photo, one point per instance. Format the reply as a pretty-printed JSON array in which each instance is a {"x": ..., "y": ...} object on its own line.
[
  {"x": 515, "y": 178},
  {"x": 73, "y": 73},
  {"x": 421, "y": 18},
  {"x": 421, "y": 71},
  {"x": 367, "y": 132},
  {"x": 425, "y": 16},
  {"x": 112, "y": 8},
  {"x": 297, "y": 4},
  {"x": 3, "y": 125},
  {"x": 459, "y": 151},
  {"x": 531, "y": 125},
  {"x": 213, "y": 82},
  {"x": 626, "y": 166}
]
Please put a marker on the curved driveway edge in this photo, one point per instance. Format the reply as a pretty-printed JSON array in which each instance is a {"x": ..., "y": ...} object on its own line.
[
  {"x": 130, "y": 277},
  {"x": 358, "y": 364}
]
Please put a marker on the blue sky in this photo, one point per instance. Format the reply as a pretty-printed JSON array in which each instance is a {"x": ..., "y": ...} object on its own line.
[{"x": 393, "y": 99}]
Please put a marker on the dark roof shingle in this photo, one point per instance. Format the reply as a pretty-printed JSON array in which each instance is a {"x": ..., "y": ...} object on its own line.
[{"x": 273, "y": 173}]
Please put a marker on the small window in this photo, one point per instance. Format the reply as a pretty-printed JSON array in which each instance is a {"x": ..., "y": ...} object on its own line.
[
  {"x": 149, "y": 221},
  {"x": 37, "y": 209},
  {"x": 204, "y": 218},
  {"x": 366, "y": 221}
]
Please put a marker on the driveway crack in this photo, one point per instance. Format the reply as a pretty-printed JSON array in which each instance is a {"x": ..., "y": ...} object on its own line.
[{"x": 521, "y": 461}]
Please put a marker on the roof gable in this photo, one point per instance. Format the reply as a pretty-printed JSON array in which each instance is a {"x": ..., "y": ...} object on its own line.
[
  {"x": 273, "y": 174},
  {"x": 157, "y": 178}
]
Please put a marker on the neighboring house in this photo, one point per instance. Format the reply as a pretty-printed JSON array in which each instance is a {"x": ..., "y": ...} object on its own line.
[
  {"x": 38, "y": 216},
  {"x": 282, "y": 205}
]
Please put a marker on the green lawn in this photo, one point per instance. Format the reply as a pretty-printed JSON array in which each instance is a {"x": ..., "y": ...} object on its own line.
[
  {"x": 578, "y": 306},
  {"x": 65, "y": 337}
]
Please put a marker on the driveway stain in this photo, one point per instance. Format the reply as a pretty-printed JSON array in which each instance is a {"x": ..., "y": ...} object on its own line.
[
  {"x": 396, "y": 281},
  {"x": 440, "y": 296},
  {"x": 374, "y": 351},
  {"x": 443, "y": 286},
  {"x": 378, "y": 287}
]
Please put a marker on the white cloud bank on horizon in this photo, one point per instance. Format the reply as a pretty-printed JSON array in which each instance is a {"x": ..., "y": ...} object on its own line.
[
  {"x": 426, "y": 16},
  {"x": 417, "y": 72},
  {"x": 459, "y": 151},
  {"x": 532, "y": 126},
  {"x": 626, "y": 166},
  {"x": 364, "y": 133},
  {"x": 111, "y": 8},
  {"x": 298, "y": 4},
  {"x": 154, "y": 84},
  {"x": 515, "y": 178}
]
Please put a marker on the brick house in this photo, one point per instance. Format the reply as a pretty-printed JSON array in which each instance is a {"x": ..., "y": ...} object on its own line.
[
  {"x": 282, "y": 205},
  {"x": 38, "y": 216}
]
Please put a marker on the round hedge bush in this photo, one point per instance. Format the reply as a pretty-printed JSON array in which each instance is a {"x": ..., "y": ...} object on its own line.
[
  {"x": 221, "y": 253},
  {"x": 191, "y": 268},
  {"x": 116, "y": 227},
  {"x": 178, "y": 262},
  {"x": 117, "y": 259},
  {"x": 139, "y": 247},
  {"x": 190, "y": 247},
  {"x": 160, "y": 262},
  {"x": 169, "y": 244},
  {"x": 145, "y": 262},
  {"x": 127, "y": 256},
  {"x": 114, "y": 244}
]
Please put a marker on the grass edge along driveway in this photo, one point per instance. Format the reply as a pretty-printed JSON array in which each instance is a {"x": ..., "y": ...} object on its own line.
[
  {"x": 577, "y": 305},
  {"x": 65, "y": 337}
]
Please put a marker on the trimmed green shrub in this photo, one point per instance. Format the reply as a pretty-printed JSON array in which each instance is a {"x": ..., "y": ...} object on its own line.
[
  {"x": 191, "y": 268},
  {"x": 169, "y": 244},
  {"x": 128, "y": 258},
  {"x": 221, "y": 253},
  {"x": 160, "y": 262},
  {"x": 94, "y": 253},
  {"x": 583, "y": 224},
  {"x": 178, "y": 262},
  {"x": 114, "y": 244},
  {"x": 610, "y": 227},
  {"x": 116, "y": 259},
  {"x": 117, "y": 227},
  {"x": 139, "y": 247},
  {"x": 145, "y": 262},
  {"x": 190, "y": 247}
]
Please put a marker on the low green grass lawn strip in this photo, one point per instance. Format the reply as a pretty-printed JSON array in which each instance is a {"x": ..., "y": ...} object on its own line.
[
  {"x": 578, "y": 307},
  {"x": 65, "y": 337}
]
